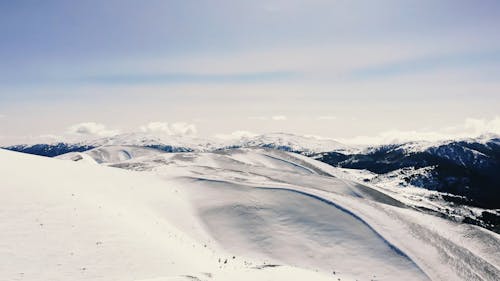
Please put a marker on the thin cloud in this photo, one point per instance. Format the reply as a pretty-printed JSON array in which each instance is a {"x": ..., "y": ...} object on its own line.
[
  {"x": 236, "y": 135},
  {"x": 470, "y": 128},
  {"x": 189, "y": 78},
  {"x": 327, "y": 117},
  {"x": 257, "y": 118},
  {"x": 274, "y": 118},
  {"x": 91, "y": 129},
  {"x": 164, "y": 128},
  {"x": 279, "y": 118},
  {"x": 426, "y": 64}
]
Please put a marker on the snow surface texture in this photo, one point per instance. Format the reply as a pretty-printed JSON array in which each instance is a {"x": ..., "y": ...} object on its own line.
[{"x": 242, "y": 214}]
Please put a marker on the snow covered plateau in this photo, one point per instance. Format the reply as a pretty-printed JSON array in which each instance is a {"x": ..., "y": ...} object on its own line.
[{"x": 128, "y": 212}]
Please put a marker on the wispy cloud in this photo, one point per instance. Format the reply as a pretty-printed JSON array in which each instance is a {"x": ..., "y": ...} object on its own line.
[
  {"x": 273, "y": 118},
  {"x": 471, "y": 127},
  {"x": 279, "y": 118},
  {"x": 327, "y": 117},
  {"x": 299, "y": 59},
  {"x": 258, "y": 118},
  {"x": 426, "y": 64},
  {"x": 91, "y": 129},
  {"x": 164, "y": 128},
  {"x": 182, "y": 78},
  {"x": 236, "y": 135}
]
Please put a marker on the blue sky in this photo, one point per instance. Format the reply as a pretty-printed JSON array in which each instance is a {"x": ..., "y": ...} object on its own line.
[{"x": 371, "y": 66}]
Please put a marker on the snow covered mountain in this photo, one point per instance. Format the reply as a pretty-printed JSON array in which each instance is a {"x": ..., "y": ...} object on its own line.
[
  {"x": 168, "y": 143},
  {"x": 294, "y": 143},
  {"x": 234, "y": 214},
  {"x": 463, "y": 172},
  {"x": 467, "y": 168},
  {"x": 49, "y": 149},
  {"x": 281, "y": 141},
  {"x": 163, "y": 142}
]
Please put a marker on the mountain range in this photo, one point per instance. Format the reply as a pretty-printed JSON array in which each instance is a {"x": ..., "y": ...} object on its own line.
[
  {"x": 463, "y": 173},
  {"x": 127, "y": 208}
]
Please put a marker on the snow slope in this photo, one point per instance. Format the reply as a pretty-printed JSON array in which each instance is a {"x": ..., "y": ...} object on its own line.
[
  {"x": 167, "y": 216},
  {"x": 62, "y": 220}
]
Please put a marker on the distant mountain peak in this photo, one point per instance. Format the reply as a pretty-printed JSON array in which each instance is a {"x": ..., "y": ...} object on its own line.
[{"x": 292, "y": 142}]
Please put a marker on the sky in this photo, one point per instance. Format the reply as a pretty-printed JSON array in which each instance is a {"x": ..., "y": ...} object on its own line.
[{"x": 356, "y": 71}]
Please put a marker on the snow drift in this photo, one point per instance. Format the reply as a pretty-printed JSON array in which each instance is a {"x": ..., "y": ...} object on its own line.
[{"x": 241, "y": 214}]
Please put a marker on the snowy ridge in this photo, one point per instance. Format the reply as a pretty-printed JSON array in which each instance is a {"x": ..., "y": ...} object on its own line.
[
  {"x": 73, "y": 221},
  {"x": 461, "y": 151},
  {"x": 185, "y": 143},
  {"x": 421, "y": 146},
  {"x": 175, "y": 143},
  {"x": 463, "y": 171},
  {"x": 262, "y": 207},
  {"x": 468, "y": 169},
  {"x": 304, "y": 144},
  {"x": 291, "y": 142},
  {"x": 282, "y": 141}
]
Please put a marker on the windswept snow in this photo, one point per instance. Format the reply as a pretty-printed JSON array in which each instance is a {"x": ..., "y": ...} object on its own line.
[{"x": 240, "y": 214}]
